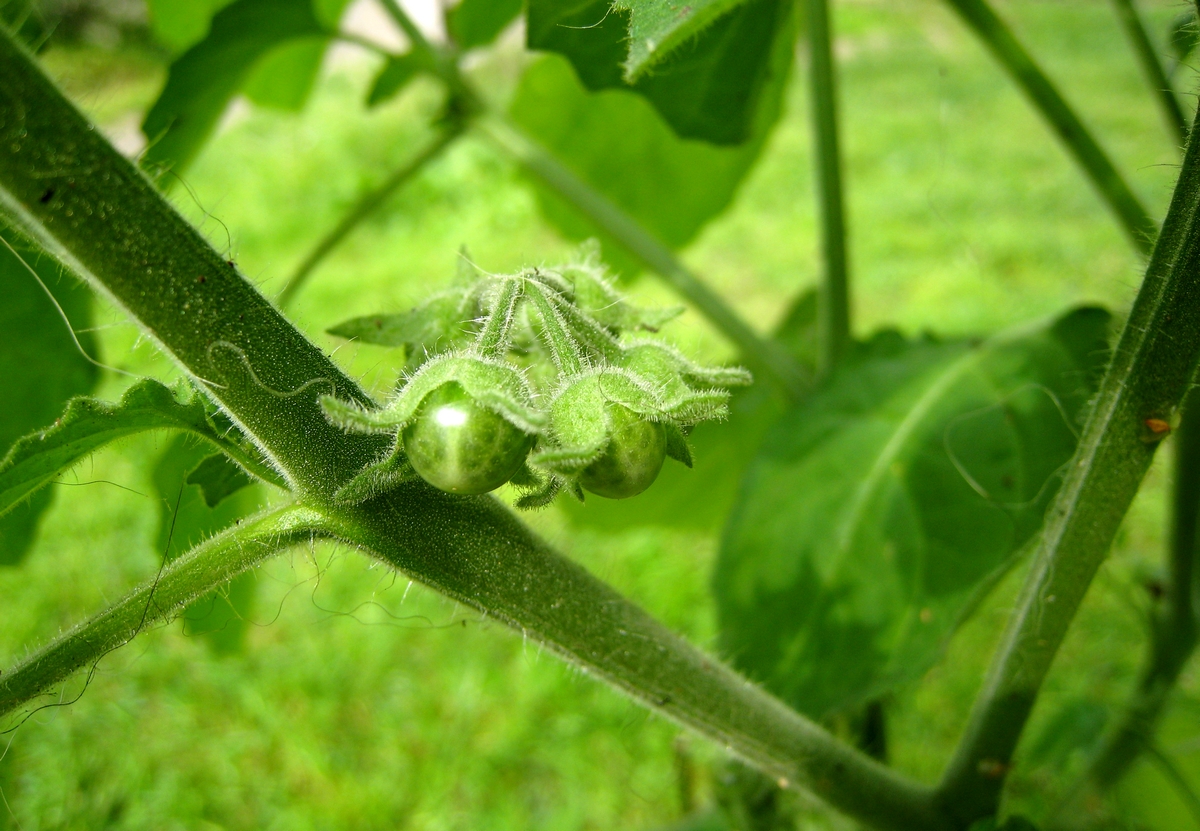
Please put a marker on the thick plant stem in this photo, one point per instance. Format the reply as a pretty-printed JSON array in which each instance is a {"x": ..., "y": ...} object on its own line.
[
  {"x": 60, "y": 178},
  {"x": 833, "y": 322},
  {"x": 1173, "y": 625},
  {"x": 209, "y": 565},
  {"x": 1151, "y": 369},
  {"x": 1152, "y": 67},
  {"x": 1128, "y": 209},
  {"x": 365, "y": 207},
  {"x": 764, "y": 357}
]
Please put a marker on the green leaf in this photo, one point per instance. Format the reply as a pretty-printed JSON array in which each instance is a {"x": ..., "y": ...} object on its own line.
[
  {"x": 395, "y": 76},
  {"x": 179, "y": 24},
  {"x": 284, "y": 77},
  {"x": 878, "y": 509},
  {"x": 619, "y": 146},
  {"x": 40, "y": 366},
  {"x": 437, "y": 325},
  {"x": 218, "y": 477},
  {"x": 185, "y": 478},
  {"x": 657, "y": 28},
  {"x": 88, "y": 424},
  {"x": 715, "y": 89},
  {"x": 204, "y": 79},
  {"x": 475, "y": 23}
]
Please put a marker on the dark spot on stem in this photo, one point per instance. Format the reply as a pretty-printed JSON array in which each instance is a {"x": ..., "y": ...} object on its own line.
[{"x": 47, "y": 196}]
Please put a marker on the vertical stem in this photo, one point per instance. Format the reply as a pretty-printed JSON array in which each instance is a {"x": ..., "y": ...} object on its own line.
[
  {"x": 1156, "y": 75},
  {"x": 365, "y": 207},
  {"x": 834, "y": 297},
  {"x": 493, "y": 339},
  {"x": 1133, "y": 216}
]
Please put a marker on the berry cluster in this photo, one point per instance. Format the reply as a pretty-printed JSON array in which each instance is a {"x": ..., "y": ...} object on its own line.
[{"x": 541, "y": 379}]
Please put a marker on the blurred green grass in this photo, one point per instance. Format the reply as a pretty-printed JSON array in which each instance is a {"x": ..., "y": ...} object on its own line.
[{"x": 362, "y": 702}]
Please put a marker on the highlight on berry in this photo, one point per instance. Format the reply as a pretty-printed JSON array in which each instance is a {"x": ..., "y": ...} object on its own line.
[{"x": 547, "y": 379}]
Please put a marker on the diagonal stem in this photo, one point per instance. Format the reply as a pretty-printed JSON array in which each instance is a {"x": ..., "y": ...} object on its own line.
[
  {"x": 184, "y": 579},
  {"x": 365, "y": 207},
  {"x": 1173, "y": 626},
  {"x": 1152, "y": 368},
  {"x": 763, "y": 356},
  {"x": 117, "y": 231},
  {"x": 1152, "y": 68},
  {"x": 1114, "y": 190}
]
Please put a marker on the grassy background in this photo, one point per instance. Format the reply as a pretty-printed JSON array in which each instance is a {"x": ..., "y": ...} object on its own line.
[{"x": 363, "y": 702}]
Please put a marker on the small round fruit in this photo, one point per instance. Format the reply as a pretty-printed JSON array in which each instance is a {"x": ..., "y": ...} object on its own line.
[
  {"x": 460, "y": 447},
  {"x": 634, "y": 456}
]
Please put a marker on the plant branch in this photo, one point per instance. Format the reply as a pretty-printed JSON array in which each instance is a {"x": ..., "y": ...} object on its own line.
[
  {"x": 1152, "y": 67},
  {"x": 1173, "y": 624},
  {"x": 996, "y": 35},
  {"x": 1152, "y": 367},
  {"x": 367, "y": 205},
  {"x": 61, "y": 178},
  {"x": 833, "y": 320},
  {"x": 206, "y": 567},
  {"x": 764, "y": 357}
]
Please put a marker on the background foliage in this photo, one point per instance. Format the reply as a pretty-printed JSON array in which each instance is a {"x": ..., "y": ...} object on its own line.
[{"x": 358, "y": 701}]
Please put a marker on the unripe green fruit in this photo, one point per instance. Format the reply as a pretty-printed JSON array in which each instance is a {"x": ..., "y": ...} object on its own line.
[
  {"x": 633, "y": 458},
  {"x": 460, "y": 447}
]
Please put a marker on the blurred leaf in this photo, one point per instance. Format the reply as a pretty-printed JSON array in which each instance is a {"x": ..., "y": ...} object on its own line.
[
  {"x": 702, "y": 497},
  {"x": 617, "y": 144},
  {"x": 203, "y": 80},
  {"x": 180, "y": 23},
  {"x": 284, "y": 77},
  {"x": 714, "y": 88},
  {"x": 436, "y": 325},
  {"x": 88, "y": 424},
  {"x": 394, "y": 77},
  {"x": 1075, "y": 728},
  {"x": 879, "y": 509},
  {"x": 187, "y": 519},
  {"x": 40, "y": 367},
  {"x": 329, "y": 12},
  {"x": 477, "y": 22},
  {"x": 218, "y": 477}
]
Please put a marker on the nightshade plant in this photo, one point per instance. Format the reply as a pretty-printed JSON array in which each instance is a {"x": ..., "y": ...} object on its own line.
[
  {"x": 885, "y": 483},
  {"x": 599, "y": 411}
]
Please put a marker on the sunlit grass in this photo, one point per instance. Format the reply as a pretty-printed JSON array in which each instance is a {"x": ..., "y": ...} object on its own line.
[{"x": 360, "y": 702}]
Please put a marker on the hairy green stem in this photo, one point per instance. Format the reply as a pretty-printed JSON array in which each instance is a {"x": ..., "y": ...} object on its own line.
[
  {"x": 833, "y": 322},
  {"x": 366, "y": 206},
  {"x": 996, "y": 35},
  {"x": 1152, "y": 67},
  {"x": 1173, "y": 624},
  {"x": 1150, "y": 372},
  {"x": 763, "y": 356},
  {"x": 184, "y": 579},
  {"x": 493, "y": 338},
  {"x": 61, "y": 178}
]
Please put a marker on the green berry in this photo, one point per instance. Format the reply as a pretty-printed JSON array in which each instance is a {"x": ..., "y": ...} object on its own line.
[
  {"x": 631, "y": 461},
  {"x": 460, "y": 447}
]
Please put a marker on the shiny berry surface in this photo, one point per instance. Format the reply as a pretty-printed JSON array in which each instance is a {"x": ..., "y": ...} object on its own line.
[{"x": 460, "y": 447}]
